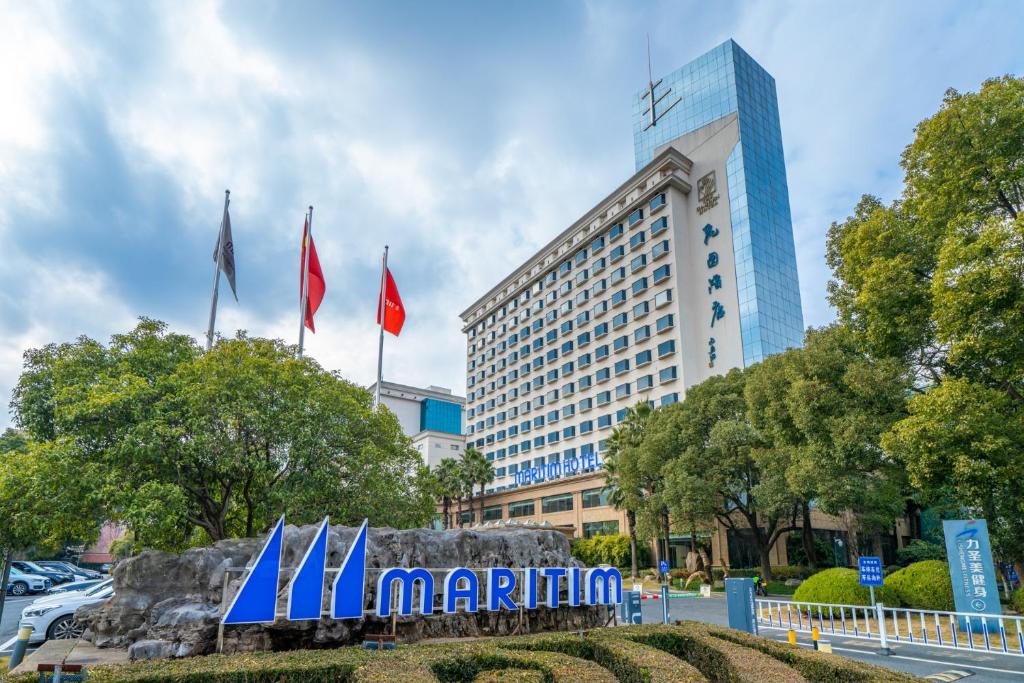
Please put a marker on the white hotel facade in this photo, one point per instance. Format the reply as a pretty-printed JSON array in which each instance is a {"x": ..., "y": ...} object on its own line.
[{"x": 635, "y": 301}]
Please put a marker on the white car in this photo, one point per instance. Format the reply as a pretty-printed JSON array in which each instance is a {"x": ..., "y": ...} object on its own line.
[
  {"x": 20, "y": 583},
  {"x": 53, "y": 617}
]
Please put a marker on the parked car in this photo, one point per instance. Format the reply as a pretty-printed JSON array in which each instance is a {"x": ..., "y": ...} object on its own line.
[
  {"x": 22, "y": 583},
  {"x": 54, "y": 576},
  {"x": 53, "y": 617},
  {"x": 74, "y": 586},
  {"x": 61, "y": 566}
]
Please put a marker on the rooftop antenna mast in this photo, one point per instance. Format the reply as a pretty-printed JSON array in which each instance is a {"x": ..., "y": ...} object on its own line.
[{"x": 652, "y": 100}]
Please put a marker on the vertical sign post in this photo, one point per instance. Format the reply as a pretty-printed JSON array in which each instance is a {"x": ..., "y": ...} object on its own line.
[
  {"x": 971, "y": 570},
  {"x": 870, "y": 571}
]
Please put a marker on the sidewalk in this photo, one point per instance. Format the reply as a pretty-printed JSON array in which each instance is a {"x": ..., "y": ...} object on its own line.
[{"x": 71, "y": 652}]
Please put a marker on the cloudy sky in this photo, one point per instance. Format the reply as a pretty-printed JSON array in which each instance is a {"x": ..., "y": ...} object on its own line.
[{"x": 464, "y": 134}]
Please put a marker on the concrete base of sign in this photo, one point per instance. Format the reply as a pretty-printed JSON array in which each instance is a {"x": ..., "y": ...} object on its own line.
[{"x": 171, "y": 605}]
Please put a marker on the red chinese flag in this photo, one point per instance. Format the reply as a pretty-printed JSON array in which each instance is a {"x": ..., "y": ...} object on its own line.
[
  {"x": 317, "y": 286},
  {"x": 394, "y": 311}
]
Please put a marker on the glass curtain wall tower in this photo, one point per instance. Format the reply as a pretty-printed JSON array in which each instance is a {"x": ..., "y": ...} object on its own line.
[{"x": 724, "y": 81}]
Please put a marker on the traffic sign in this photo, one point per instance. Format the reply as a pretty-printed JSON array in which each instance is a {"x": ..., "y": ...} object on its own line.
[
  {"x": 663, "y": 566},
  {"x": 870, "y": 570}
]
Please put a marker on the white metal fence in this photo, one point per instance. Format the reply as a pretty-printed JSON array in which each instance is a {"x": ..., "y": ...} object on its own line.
[{"x": 995, "y": 634}]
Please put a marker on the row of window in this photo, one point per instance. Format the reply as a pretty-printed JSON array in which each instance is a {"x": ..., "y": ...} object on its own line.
[{"x": 578, "y": 260}]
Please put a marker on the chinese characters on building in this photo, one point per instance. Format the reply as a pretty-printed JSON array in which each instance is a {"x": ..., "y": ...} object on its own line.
[{"x": 715, "y": 281}]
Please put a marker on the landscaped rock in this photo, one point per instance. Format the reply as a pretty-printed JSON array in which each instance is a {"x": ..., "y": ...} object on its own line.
[
  {"x": 168, "y": 605},
  {"x": 794, "y": 582}
]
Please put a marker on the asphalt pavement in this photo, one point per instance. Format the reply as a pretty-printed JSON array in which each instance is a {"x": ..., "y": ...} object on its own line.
[
  {"x": 9, "y": 620},
  {"x": 918, "y": 660}
]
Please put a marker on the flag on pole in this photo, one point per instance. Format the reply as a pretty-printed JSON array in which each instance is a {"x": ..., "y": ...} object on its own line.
[
  {"x": 317, "y": 285},
  {"x": 394, "y": 312},
  {"x": 227, "y": 259}
]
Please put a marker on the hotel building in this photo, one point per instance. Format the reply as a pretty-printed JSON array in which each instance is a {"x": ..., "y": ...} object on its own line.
[
  {"x": 684, "y": 271},
  {"x": 431, "y": 417}
]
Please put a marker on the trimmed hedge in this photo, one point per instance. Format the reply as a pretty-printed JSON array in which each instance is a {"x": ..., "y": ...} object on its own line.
[
  {"x": 815, "y": 666},
  {"x": 687, "y": 653},
  {"x": 923, "y": 585},
  {"x": 840, "y": 586}
]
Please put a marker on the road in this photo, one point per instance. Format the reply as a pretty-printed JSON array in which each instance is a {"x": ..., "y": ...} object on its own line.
[
  {"x": 9, "y": 621},
  {"x": 914, "y": 659}
]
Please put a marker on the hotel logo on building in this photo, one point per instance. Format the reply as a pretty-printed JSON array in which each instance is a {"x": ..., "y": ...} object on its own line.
[{"x": 707, "y": 193}]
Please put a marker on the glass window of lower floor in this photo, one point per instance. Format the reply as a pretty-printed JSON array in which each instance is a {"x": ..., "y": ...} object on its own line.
[{"x": 591, "y": 529}]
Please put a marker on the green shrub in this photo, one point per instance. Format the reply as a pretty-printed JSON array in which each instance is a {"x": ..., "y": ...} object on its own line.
[
  {"x": 610, "y": 549},
  {"x": 923, "y": 585},
  {"x": 840, "y": 586},
  {"x": 686, "y": 653},
  {"x": 919, "y": 551},
  {"x": 1017, "y": 600}
]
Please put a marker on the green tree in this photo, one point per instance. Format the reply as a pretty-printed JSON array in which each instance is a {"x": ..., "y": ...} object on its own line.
[
  {"x": 480, "y": 472},
  {"x": 622, "y": 498},
  {"x": 449, "y": 479},
  {"x": 935, "y": 280},
  {"x": 223, "y": 441},
  {"x": 822, "y": 410}
]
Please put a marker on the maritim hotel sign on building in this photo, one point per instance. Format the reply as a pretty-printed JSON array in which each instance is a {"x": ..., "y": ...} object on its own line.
[{"x": 460, "y": 588}]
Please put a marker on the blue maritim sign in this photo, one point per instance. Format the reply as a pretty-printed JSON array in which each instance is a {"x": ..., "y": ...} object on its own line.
[
  {"x": 971, "y": 569},
  {"x": 569, "y": 467},
  {"x": 460, "y": 589}
]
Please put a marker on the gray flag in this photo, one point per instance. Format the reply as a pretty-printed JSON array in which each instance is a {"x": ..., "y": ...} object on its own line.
[{"x": 228, "y": 259}]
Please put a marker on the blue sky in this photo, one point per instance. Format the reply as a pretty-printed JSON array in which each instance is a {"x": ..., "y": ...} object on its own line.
[{"x": 464, "y": 134}]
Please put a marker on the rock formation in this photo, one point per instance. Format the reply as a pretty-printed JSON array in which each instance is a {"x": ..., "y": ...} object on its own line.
[{"x": 168, "y": 605}]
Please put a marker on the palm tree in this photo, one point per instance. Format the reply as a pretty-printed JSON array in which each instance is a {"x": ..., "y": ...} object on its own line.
[
  {"x": 449, "y": 477},
  {"x": 479, "y": 471},
  {"x": 627, "y": 436}
]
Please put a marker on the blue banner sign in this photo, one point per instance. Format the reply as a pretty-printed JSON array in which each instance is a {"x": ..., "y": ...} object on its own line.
[
  {"x": 971, "y": 568},
  {"x": 571, "y": 466},
  {"x": 663, "y": 566},
  {"x": 870, "y": 570},
  {"x": 460, "y": 589}
]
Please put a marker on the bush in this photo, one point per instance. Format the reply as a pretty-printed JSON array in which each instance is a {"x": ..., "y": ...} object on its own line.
[
  {"x": 840, "y": 586},
  {"x": 686, "y": 653},
  {"x": 923, "y": 585},
  {"x": 919, "y": 551},
  {"x": 610, "y": 549},
  {"x": 1017, "y": 600}
]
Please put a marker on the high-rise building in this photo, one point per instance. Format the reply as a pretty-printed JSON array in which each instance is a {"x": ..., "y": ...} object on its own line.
[
  {"x": 727, "y": 82},
  {"x": 684, "y": 271},
  {"x": 432, "y": 417}
]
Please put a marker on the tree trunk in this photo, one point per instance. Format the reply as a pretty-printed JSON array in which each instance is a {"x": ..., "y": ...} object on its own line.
[
  {"x": 458, "y": 512},
  {"x": 481, "y": 519},
  {"x": 764, "y": 550},
  {"x": 5, "y": 574},
  {"x": 807, "y": 536},
  {"x": 631, "y": 521},
  {"x": 446, "y": 505}
]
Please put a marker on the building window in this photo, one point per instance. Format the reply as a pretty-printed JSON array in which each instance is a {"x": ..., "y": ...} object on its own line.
[
  {"x": 559, "y": 503},
  {"x": 661, "y": 273},
  {"x": 619, "y": 297},
  {"x": 520, "y": 509},
  {"x": 644, "y": 383},
  {"x": 637, "y": 240},
  {"x": 616, "y": 232},
  {"x": 641, "y": 309},
  {"x": 643, "y": 358},
  {"x": 593, "y": 498},
  {"x": 617, "y": 254},
  {"x": 622, "y": 391},
  {"x": 666, "y": 348},
  {"x": 583, "y": 339},
  {"x": 641, "y": 333},
  {"x": 659, "y": 225},
  {"x": 608, "y": 528},
  {"x": 618, "y": 275},
  {"x": 604, "y": 421},
  {"x": 619, "y": 320},
  {"x": 639, "y": 285},
  {"x": 657, "y": 201},
  {"x": 584, "y": 360},
  {"x": 600, "y": 330},
  {"x": 584, "y": 382},
  {"x": 659, "y": 250},
  {"x": 665, "y": 322},
  {"x": 667, "y": 374},
  {"x": 635, "y": 217},
  {"x": 669, "y": 399},
  {"x": 598, "y": 265},
  {"x": 662, "y": 298},
  {"x": 580, "y": 257},
  {"x": 621, "y": 343},
  {"x": 622, "y": 366},
  {"x": 568, "y": 432},
  {"x": 582, "y": 276},
  {"x": 564, "y": 268},
  {"x": 492, "y": 513},
  {"x": 586, "y": 404},
  {"x": 604, "y": 398},
  {"x": 601, "y": 352},
  {"x": 602, "y": 375},
  {"x": 586, "y": 427},
  {"x": 600, "y": 309},
  {"x": 638, "y": 263},
  {"x": 597, "y": 245}
]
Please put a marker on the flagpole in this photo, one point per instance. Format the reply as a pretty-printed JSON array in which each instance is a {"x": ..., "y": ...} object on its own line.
[
  {"x": 383, "y": 312},
  {"x": 304, "y": 299},
  {"x": 216, "y": 273}
]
